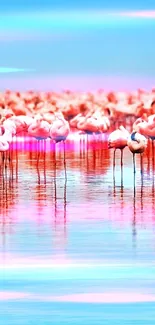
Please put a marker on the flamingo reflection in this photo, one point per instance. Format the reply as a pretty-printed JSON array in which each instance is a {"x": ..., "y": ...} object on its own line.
[
  {"x": 60, "y": 228},
  {"x": 134, "y": 230}
]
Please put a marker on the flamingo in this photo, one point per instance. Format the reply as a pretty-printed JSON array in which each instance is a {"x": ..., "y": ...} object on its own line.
[
  {"x": 40, "y": 130},
  {"x": 118, "y": 140},
  {"x": 6, "y": 135},
  {"x": 137, "y": 144},
  {"x": 88, "y": 124},
  {"x": 59, "y": 131},
  {"x": 10, "y": 125},
  {"x": 4, "y": 147},
  {"x": 146, "y": 128}
]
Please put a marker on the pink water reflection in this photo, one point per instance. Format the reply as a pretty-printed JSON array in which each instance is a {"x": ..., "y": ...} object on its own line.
[
  {"x": 91, "y": 297},
  {"x": 108, "y": 298},
  {"x": 9, "y": 295}
]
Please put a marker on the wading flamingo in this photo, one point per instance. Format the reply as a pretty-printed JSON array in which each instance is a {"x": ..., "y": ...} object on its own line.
[
  {"x": 6, "y": 135},
  {"x": 40, "y": 130},
  {"x": 137, "y": 144},
  {"x": 59, "y": 131},
  {"x": 4, "y": 147},
  {"x": 146, "y": 128},
  {"x": 10, "y": 125},
  {"x": 118, "y": 140}
]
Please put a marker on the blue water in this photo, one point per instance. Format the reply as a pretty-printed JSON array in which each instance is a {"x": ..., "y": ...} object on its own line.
[
  {"x": 63, "y": 242},
  {"x": 44, "y": 313}
]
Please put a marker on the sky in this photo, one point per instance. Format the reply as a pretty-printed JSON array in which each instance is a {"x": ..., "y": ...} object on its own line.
[
  {"x": 14, "y": 5},
  {"x": 85, "y": 44}
]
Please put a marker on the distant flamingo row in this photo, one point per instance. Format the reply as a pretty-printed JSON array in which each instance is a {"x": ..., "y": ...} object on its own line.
[
  {"x": 51, "y": 115},
  {"x": 93, "y": 111}
]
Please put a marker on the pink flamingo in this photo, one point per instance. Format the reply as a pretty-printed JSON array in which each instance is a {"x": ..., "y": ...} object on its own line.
[
  {"x": 137, "y": 144},
  {"x": 4, "y": 146},
  {"x": 146, "y": 128},
  {"x": 40, "y": 130},
  {"x": 89, "y": 124},
  {"x": 6, "y": 136},
  {"x": 118, "y": 140},
  {"x": 59, "y": 131},
  {"x": 10, "y": 125},
  {"x": 92, "y": 124}
]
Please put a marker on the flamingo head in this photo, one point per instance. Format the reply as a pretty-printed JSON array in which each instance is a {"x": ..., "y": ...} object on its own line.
[
  {"x": 139, "y": 138},
  {"x": 133, "y": 134}
]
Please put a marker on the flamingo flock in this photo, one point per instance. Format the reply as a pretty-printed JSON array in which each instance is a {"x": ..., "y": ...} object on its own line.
[{"x": 127, "y": 118}]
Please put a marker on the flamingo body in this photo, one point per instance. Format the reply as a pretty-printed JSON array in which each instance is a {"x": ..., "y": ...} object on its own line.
[
  {"x": 118, "y": 138},
  {"x": 59, "y": 130},
  {"x": 137, "y": 143},
  {"x": 39, "y": 129}
]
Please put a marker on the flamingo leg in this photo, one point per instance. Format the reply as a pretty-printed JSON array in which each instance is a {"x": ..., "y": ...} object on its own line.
[
  {"x": 134, "y": 212},
  {"x": 38, "y": 152},
  {"x": 141, "y": 163},
  {"x": 6, "y": 157},
  {"x": 16, "y": 163},
  {"x": 87, "y": 142},
  {"x": 148, "y": 156},
  {"x": 10, "y": 163},
  {"x": 9, "y": 157},
  {"x": 65, "y": 200},
  {"x": 114, "y": 161},
  {"x": 153, "y": 155},
  {"x": 153, "y": 192},
  {"x": 55, "y": 187},
  {"x": 141, "y": 192},
  {"x": 3, "y": 159},
  {"x": 44, "y": 161},
  {"x": 80, "y": 147},
  {"x": 55, "y": 163},
  {"x": 121, "y": 167},
  {"x": 134, "y": 164},
  {"x": 38, "y": 172},
  {"x": 65, "y": 161}
]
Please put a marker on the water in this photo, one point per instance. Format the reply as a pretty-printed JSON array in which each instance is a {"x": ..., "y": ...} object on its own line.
[{"x": 78, "y": 250}]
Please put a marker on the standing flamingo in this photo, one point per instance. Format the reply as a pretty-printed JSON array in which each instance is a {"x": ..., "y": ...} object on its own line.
[
  {"x": 59, "y": 131},
  {"x": 137, "y": 143},
  {"x": 118, "y": 140},
  {"x": 40, "y": 130},
  {"x": 4, "y": 147},
  {"x": 146, "y": 128},
  {"x": 6, "y": 136}
]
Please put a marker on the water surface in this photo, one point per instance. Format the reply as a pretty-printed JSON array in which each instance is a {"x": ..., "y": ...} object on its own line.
[{"x": 78, "y": 249}]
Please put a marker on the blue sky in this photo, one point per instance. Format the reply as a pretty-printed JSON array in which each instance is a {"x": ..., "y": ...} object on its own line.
[
  {"x": 14, "y": 5},
  {"x": 63, "y": 42}
]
